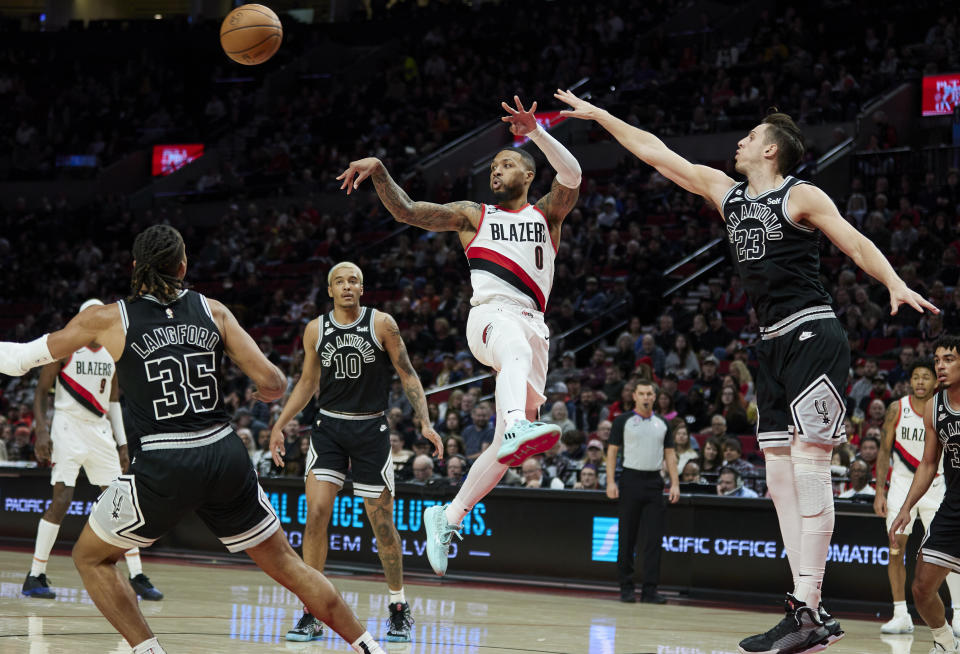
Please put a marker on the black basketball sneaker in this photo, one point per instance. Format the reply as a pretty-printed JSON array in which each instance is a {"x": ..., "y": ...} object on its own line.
[
  {"x": 37, "y": 586},
  {"x": 799, "y": 632},
  {"x": 400, "y": 623},
  {"x": 307, "y": 629},
  {"x": 830, "y": 624},
  {"x": 146, "y": 590}
]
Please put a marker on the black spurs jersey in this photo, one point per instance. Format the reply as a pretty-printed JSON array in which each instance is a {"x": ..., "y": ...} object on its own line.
[
  {"x": 355, "y": 369},
  {"x": 170, "y": 367},
  {"x": 946, "y": 421},
  {"x": 777, "y": 258}
]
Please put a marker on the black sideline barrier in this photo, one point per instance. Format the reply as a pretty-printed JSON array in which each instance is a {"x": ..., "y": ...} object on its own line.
[{"x": 713, "y": 545}]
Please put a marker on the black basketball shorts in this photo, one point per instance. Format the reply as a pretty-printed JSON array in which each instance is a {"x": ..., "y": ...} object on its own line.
[
  {"x": 208, "y": 472},
  {"x": 360, "y": 445},
  {"x": 941, "y": 544},
  {"x": 804, "y": 364}
]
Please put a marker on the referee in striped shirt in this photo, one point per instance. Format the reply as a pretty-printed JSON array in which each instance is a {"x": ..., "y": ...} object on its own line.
[{"x": 646, "y": 442}]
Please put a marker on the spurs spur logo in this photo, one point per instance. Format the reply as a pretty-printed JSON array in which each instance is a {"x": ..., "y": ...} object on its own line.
[{"x": 821, "y": 407}]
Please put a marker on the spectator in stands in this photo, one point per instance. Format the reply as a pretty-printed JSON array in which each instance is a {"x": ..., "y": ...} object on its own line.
[
  {"x": 246, "y": 437},
  {"x": 864, "y": 386},
  {"x": 590, "y": 409},
  {"x": 478, "y": 432},
  {"x": 556, "y": 465},
  {"x": 467, "y": 404},
  {"x": 613, "y": 383},
  {"x": 558, "y": 417},
  {"x": 591, "y": 301},
  {"x": 296, "y": 459},
  {"x": 602, "y": 433},
  {"x": 683, "y": 444},
  {"x": 951, "y": 312},
  {"x": 664, "y": 407},
  {"x": 574, "y": 450},
  {"x": 731, "y": 408},
  {"x": 596, "y": 373},
  {"x": 456, "y": 469},
  {"x": 452, "y": 405},
  {"x": 839, "y": 468},
  {"x": 733, "y": 458},
  {"x": 595, "y": 455},
  {"x": 730, "y": 484},
  {"x": 567, "y": 369},
  {"x": 733, "y": 302},
  {"x": 624, "y": 404},
  {"x": 709, "y": 382},
  {"x": 869, "y": 450},
  {"x": 588, "y": 478},
  {"x": 669, "y": 384},
  {"x": 625, "y": 357},
  {"x": 711, "y": 457},
  {"x": 448, "y": 374},
  {"x": 860, "y": 476},
  {"x": 905, "y": 360},
  {"x": 262, "y": 461},
  {"x": 879, "y": 393},
  {"x": 423, "y": 470},
  {"x": 535, "y": 477},
  {"x": 399, "y": 455},
  {"x": 718, "y": 427},
  {"x": 453, "y": 444},
  {"x": 681, "y": 360},
  {"x": 646, "y": 346},
  {"x": 873, "y": 421},
  {"x": 451, "y": 425},
  {"x": 718, "y": 337},
  {"x": 665, "y": 334},
  {"x": 690, "y": 473}
]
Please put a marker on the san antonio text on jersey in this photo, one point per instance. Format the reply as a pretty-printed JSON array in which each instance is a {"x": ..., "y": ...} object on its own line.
[
  {"x": 355, "y": 369},
  {"x": 777, "y": 259}
]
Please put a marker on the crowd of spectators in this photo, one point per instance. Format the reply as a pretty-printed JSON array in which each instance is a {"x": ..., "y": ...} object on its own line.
[{"x": 268, "y": 261}]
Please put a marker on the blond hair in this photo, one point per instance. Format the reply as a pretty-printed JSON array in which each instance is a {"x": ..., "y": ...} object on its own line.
[{"x": 344, "y": 264}]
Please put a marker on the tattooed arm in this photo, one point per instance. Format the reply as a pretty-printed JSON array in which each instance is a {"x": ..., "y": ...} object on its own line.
[
  {"x": 462, "y": 217},
  {"x": 556, "y": 204},
  {"x": 389, "y": 334}
]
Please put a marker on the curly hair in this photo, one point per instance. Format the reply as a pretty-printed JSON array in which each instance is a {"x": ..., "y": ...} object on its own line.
[{"x": 158, "y": 252}]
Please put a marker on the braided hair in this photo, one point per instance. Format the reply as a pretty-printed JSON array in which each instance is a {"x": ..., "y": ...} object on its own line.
[{"x": 158, "y": 252}]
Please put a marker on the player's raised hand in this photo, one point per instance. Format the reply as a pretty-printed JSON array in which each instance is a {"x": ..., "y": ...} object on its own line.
[
  {"x": 277, "y": 450},
  {"x": 579, "y": 108},
  {"x": 432, "y": 436},
  {"x": 901, "y": 294},
  {"x": 522, "y": 121},
  {"x": 358, "y": 171}
]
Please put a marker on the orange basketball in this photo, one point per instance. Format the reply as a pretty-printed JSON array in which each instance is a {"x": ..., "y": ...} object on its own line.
[{"x": 251, "y": 34}]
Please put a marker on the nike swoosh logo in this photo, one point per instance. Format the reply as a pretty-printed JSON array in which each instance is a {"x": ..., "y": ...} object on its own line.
[{"x": 806, "y": 335}]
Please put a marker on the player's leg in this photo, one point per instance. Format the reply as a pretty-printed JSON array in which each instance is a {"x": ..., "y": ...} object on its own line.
[
  {"x": 389, "y": 549},
  {"x": 326, "y": 471},
  {"x": 901, "y": 622},
  {"x": 927, "y": 578},
  {"x": 36, "y": 584},
  {"x": 927, "y": 508},
  {"x": 275, "y": 557},
  {"x": 96, "y": 561}
]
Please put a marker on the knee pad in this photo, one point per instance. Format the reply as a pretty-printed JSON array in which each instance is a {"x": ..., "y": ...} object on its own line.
[
  {"x": 811, "y": 473},
  {"x": 779, "y": 469}
]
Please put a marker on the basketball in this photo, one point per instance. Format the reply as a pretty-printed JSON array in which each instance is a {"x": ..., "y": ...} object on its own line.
[{"x": 251, "y": 34}]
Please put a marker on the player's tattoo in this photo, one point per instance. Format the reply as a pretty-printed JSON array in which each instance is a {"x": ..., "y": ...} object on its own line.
[
  {"x": 410, "y": 380},
  {"x": 388, "y": 540},
  {"x": 560, "y": 201},
  {"x": 426, "y": 215}
]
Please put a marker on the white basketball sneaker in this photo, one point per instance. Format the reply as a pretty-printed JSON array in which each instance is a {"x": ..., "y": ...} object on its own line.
[{"x": 900, "y": 624}]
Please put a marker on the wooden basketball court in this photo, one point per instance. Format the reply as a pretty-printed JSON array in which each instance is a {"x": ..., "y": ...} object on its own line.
[{"x": 238, "y": 609}]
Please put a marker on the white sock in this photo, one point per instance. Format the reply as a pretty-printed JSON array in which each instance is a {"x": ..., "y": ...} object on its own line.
[
  {"x": 133, "y": 562},
  {"x": 46, "y": 537},
  {"x": 943, "y": 636},
  {"x": 365, "y": 644},
  {"x": 485, "y": 473},
  {"x": 899, "y": 608},
  {"x": 513, "y": 416},
  {"x": 397, "y": 596},
  {"x": 151, "y": 646},
  {"x": 784, "y": 495},
  {"x": 811, "y": 476}
]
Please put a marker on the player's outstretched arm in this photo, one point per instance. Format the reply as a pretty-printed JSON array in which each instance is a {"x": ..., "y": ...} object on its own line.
[
  {"x": 302, "y": 391},
  {"x": 243, "y": 351},
  {"x": 389, "y": 334},
  {"x": 708, "y": 182},
  {"x": 883, "y": 459},
  {"x": 923, "y": 477},
  {"x": 91, "y": 324},
  {"x": 810, "y": 204},
  {"x": 563, "y": 195},
  {"x": 460, "y": 217}
]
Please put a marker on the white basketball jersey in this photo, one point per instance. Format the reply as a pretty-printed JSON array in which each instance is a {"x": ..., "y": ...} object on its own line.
[
  {"x": 908, "y": 442},
  {"x": 83, "y": 387},
  {"x": 511, "y": 257}
]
